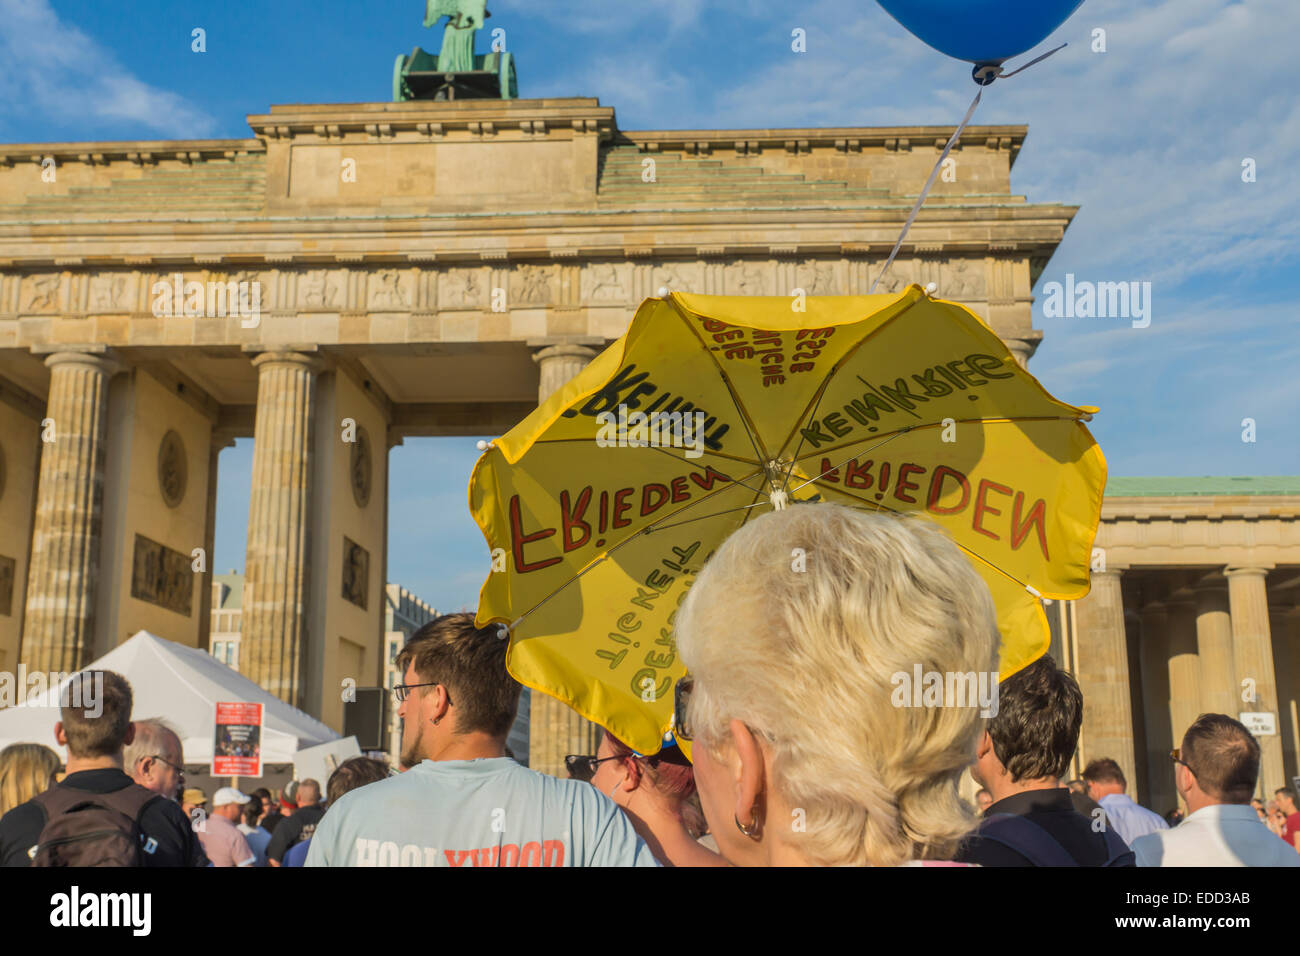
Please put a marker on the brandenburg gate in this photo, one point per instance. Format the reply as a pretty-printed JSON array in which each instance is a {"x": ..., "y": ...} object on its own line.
[{"x": 351, "y": 275}]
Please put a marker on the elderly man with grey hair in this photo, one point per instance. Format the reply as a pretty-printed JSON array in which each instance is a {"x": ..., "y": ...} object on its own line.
[{"x": 154, "y": 758}]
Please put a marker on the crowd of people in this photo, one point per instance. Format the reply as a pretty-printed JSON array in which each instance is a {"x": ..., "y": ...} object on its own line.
[{"x": 799, "y": 751}]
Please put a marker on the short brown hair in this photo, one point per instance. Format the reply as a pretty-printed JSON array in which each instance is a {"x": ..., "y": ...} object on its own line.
[
  {"x": 1035, "y": 731},
  {"x": 471, "y": 663},
  {"x": 1104, "y": 770},
  {"x": 353, "y": 773},
  {"x": 1223, "y": 756},
  {"x": 102, "y": 735}
]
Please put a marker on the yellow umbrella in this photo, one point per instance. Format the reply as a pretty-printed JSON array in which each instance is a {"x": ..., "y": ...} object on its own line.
[{"x": 602, "y": 504}]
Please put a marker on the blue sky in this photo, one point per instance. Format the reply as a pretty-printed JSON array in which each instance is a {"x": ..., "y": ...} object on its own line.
[{"x": 1147, "y": 137}]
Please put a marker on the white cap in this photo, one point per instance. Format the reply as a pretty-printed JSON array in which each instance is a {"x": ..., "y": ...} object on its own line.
[{"x": 229, "y": 795}]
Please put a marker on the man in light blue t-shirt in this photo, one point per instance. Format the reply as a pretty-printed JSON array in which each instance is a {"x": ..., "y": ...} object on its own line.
[{"x": 463, "y": 802}]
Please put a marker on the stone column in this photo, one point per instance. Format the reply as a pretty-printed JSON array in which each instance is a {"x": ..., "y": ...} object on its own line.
[
  {"x": 59, "y": 622},
  {"x": 1023, "y": 348},
  {"x": 1161, "y": 792},
  {"x": 1184, "y": 669},
  {"x": 554, "y": 729},
  {"x": 1103, "y": 674},
  {"x": 1284, "y": 625},
  {"x": 1252, "y": 656},
  {"x": 220, "y": 441},
  {"x": 274, "y": 641},
  {"x": 1219, "y": 693},
  {"x": 558, "y": 364}
]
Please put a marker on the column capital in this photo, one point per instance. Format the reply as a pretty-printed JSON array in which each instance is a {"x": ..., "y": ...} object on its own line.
[
  {"x": 1247, "y": 570},
  {"x": 565, "y": 350},
  {"x": 100, "y": 358},
  {"x": 1024, "y": 346},
  {"x": 300, "y": 357}
]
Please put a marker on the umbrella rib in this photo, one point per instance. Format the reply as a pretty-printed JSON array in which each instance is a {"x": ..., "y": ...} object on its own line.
[
  {"x": 678, "y": 524},
  {"x": 821, "y": 392},
  {"x": 883, "y": 441},
  {"x": 875, "y": 507},
  {"x": 660, "y": 448},
  {"x": 604, "y": 556},
  {"x": 586, "y": 440},
  {"x": 735, "y": 400},
  {"x": 963, "y": 421}
]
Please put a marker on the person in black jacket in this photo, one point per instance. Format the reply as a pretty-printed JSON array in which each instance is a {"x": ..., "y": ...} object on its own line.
[
  {"x": 94, "y": 732},
  {"x": 299, "y": 826},
  {"x": 1020, "y": 759}
]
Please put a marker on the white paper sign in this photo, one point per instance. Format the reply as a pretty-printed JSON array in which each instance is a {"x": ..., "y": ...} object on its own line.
[{"x": 1261, "y": 725}]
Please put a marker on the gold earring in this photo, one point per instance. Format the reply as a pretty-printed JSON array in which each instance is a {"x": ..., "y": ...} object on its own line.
[{"x": 750, "y": 831}]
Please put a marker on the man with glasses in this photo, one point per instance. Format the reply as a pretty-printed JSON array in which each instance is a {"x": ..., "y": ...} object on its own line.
[
  {"x": 154, "y": 759},
  {"x": 1215, "y": 771},
  {"x": 463, "y": 802}
]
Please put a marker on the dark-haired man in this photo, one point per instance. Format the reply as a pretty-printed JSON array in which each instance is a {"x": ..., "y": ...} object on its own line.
[
  {"x": 1128, "y": 818},
  {"x": 1215, "y": 771},
  {"x": 1020, "y": 760},
  {"x": 464, "y": 802},
  {"x": 94, "y": 740}
]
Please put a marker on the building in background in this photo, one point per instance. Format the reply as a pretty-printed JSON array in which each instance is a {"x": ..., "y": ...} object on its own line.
[
  {"x": 404, "y": 614},
  {"x": 227, "y": 617}
]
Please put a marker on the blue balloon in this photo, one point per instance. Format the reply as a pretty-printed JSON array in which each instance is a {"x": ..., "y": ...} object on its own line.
[{"x": 981, "y": 31}]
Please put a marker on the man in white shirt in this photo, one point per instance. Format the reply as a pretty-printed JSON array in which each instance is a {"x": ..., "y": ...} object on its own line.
[
  {"x": 1216, "y": 769},
  {"x": 1106, "y": 785},
  {"x": 463, "y": 802}
]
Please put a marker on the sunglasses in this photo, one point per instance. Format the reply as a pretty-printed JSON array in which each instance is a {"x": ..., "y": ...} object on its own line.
[
  {"x": 583, "y": 766},
  {"x": 682, "y": 729},
  {"x": 1177, "y": 756}
]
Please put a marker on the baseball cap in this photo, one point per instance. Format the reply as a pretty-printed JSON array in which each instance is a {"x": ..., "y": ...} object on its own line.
[
  {"x": 290, "y": 792},
  {"x": 229, "y": 795},
  {"x": 194, "y": 795}
]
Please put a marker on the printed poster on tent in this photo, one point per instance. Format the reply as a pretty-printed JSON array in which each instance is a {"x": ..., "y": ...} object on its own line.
[{"x": 237, "y": 743}]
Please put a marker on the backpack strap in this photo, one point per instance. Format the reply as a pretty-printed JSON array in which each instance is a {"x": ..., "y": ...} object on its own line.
[
  {"x": 131, "y": 801},
  {"x": 1027, "y": 838},
  {"x": 1118, "y": 852}
]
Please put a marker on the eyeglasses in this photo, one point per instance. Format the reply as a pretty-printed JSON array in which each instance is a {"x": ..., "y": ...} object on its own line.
[
  {"x": 1176, "y": 756},
  {"x": 404, "y": 690},
  {"x": 161, "y": 759},
  {"x": 681, "y": 699},
  {"x": 583, "y": 766}
]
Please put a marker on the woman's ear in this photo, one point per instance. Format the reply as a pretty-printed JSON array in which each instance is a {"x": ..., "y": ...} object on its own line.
[
  {"x": 633, "y": 768},
  {"x": 750, "y": 771}
]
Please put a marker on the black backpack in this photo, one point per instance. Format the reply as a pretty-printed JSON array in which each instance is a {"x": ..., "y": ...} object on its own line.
[
  {"x": 93, "y": 829},
  {"x": 1040, "y": 848}
]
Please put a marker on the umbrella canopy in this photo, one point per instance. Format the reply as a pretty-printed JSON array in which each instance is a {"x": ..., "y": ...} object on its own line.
[
  {"x": 182, "y": 685},
  {"x": 602, "y": 505}
]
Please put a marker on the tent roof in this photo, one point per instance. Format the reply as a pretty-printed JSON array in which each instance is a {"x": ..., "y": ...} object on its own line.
[{"x": 182, "y": 685}]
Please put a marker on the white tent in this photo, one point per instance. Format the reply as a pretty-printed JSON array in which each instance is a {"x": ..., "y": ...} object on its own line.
[{"x": 182, "y": 685}]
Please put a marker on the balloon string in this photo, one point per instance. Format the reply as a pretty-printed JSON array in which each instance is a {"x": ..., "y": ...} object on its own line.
[{"x": 952, "y": 140}]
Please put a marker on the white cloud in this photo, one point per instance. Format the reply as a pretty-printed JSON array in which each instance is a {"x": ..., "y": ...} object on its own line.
[{"x": 52, "y": 68}]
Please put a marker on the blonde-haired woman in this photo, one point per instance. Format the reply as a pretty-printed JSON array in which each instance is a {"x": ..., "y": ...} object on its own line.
[
  {"x": 25, "y": 771},
  {"x": 794, "y": 636}
]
